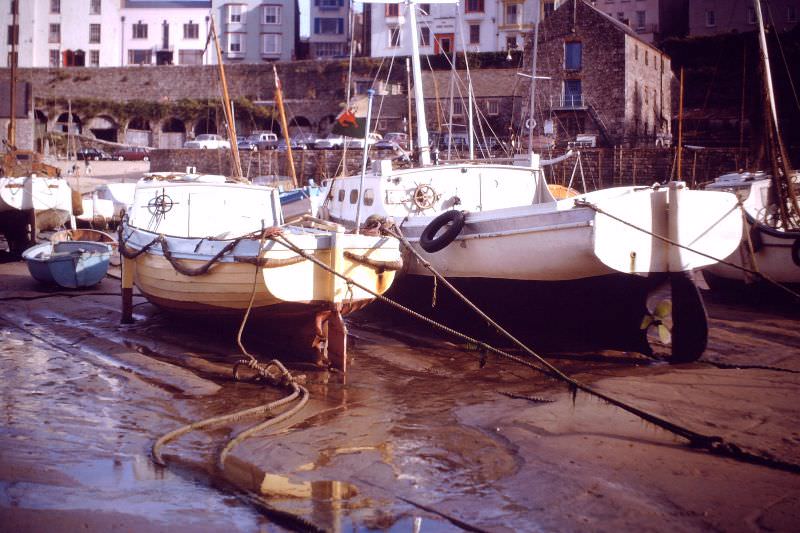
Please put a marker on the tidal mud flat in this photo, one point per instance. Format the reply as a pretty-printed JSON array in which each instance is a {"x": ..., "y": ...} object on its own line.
[{"x": 416, "y": 435}]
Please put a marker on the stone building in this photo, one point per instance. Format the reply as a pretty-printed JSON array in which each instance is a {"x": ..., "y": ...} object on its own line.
[
  {"x": 714, "y": 17},
  {"x": 603, "y": 80},
  {"x": 652, "y": 20},
  {"x": 330, "y": 29}
]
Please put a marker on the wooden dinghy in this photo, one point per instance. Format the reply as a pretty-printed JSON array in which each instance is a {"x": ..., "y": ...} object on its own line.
[{"x": 72, "y": 264}]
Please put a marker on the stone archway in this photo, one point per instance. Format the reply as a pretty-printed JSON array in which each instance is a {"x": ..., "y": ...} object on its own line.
[
  {"x": 205, "y": 125},
  {"x": 139, "y": 132},
  {"x": 103, "y": 127},
  {"x": 173, "y": 133},
  {"x": 300, "y": 124},
  {"x": 63, "y": 120}
]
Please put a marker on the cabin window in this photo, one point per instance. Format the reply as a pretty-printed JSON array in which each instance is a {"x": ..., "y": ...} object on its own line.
[
  {"x": 369, "y": 197},
  {"x": 353, "y": 196},
  {"x": 341, "y": 195}
]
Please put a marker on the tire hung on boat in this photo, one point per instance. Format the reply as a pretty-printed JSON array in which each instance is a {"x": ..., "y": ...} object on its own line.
[{"x": 431, "y": 242}]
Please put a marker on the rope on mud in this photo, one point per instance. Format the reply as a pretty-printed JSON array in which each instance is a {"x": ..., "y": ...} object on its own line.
[
  {"x": 756, "y": 273},
  {"x": 714, "y": 444}
]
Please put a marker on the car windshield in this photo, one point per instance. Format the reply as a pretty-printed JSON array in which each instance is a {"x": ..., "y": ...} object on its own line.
[{"x": 206, "y": 137}]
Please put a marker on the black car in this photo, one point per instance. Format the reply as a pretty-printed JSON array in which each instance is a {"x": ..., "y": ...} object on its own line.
[{"x": 94, "y": 154}]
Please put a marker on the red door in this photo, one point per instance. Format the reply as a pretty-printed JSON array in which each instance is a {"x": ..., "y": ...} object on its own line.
[{"x": 443, "y": 42}]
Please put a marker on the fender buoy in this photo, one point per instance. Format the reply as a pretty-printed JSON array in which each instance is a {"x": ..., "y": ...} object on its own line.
[
  {"x": 796, "y": 252},
  {"x": 431, "y": 242}
]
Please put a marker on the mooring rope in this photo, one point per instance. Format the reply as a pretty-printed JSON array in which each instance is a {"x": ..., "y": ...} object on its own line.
[{"x": 714, "y": 444}]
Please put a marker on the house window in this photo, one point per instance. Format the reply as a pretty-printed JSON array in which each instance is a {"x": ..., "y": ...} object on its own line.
[
  {"x": 55, "y": 6},
  {"x": 235, "y": 15},
  {"x": 94, "y": 58},
  {"x": 54, "y": 36},
  {"x": 94, "y": 33},
  {"x": 392, "y": 10},
  {"x": 492, "y": 107},
  {"x": 425, "y": 36},
  {"x": 473, "y": 6},
  {"x": 329, "y": 26},
  {"x": 513, "y": 12},
  {"x": 13, "y": 34},
  {"x": 191, "y": 30},
  {"x": 573, "y": 56},
  {"x": 791, "y": 14},
  {"x": 140, "y": 30},
  {"x": 424, "y": 9},
  {"x": 74, "y": 58},
  {"x": 329, "y": 4},
  {"x": 190, "y": 57},
  {"x": 271, "y": 43},
  {"x": 140, "y": 57},
  {"x": 573, "y": 96},
  {"x": 640, "y": 20},
  {"x": 329, "y": 49},
  {"x": 14, "y": 7},
  {"x": 711, "y": 19},
  {"x": 55, "y": 58},
  {"x": 235, "y": 43},
  {"x": 394, "y": 36},
  {"x": 458, "y": 108},
  {"x": 751, "y": 15},
  {"x": 474, "y": 33},
  {"x": 272, "y": 15},
  {"x": 94, "y": 7}
]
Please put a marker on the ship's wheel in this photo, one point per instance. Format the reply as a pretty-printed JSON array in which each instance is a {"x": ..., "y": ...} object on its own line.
[
  {"x": 160, "y": 204},
  {"x": 424, "y": 196}
]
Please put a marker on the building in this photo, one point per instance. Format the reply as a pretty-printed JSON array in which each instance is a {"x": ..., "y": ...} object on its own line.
[
  {"x": 714, "y": 17},
  {"x": 114, "y": 33},
  {"x": 254, "y": 31},
  {"x": 604, "y": 80},
  {"x": 652, "y": 20},
  {"x": 330, "y": 29},
  {"x": 474, "y": 25}
]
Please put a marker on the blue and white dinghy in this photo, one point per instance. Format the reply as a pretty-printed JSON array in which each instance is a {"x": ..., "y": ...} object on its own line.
[{"x": 73, "y": 259}]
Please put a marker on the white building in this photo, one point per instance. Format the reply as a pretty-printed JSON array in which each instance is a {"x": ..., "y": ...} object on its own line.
[
  {"x": 477, "y": 25},
  {"x": 254, "y": 31},
  {"x": 330, "y": 28}
]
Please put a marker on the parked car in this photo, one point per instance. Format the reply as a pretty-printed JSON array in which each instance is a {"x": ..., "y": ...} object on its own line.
[
  {"x": 306, "y": 138},
  {"x": 133, "y": 153},
  {"x": 207, "y": 141},
  {"x": 331, "y": 142},
  {"x": 358, "y": 143},
  {"x": 263, "y": 140},
  {"x": 245, "y": 145},
  {"x": 94, "y": 154},
  {"x": 296, "y": 144}
]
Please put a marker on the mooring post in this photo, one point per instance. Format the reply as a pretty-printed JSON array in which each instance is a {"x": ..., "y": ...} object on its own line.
[{"x": 128, "y": 267}]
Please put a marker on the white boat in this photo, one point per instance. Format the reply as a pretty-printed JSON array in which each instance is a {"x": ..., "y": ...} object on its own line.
[
  {"x": 192, "y": 244},
  {"x": 515, "y": 237},
  {"x": 107, "y": 204},
  {"x": 775, "y": 251},
  {"x": 771, "y": 247}
]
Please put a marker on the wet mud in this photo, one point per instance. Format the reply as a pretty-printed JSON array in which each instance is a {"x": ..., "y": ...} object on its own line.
[{"x": 418, "y": 436}]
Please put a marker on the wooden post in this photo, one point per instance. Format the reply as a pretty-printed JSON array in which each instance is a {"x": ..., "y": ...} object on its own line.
[{"x": 128, "y": 269}]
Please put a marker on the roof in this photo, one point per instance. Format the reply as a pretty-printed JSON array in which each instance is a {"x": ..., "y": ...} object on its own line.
[{"x": 486, "y": 83}]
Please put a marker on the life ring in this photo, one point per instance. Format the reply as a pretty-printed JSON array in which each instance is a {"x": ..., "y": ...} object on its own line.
[
  {"x": 796, "y": 252},
  {"x": 431, "y": 242}
]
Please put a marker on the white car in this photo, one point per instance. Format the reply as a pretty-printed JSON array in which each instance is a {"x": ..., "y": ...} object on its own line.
[
  {"x": 207, "y": 141},
  {"x": 358, "y": 143},
  {"x": 331, "y": 142}
]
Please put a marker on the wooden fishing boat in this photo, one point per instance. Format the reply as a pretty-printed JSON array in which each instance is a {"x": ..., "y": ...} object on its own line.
[
  {"x": 69, "y": 263},
  {"x": 200, "y": 244}
]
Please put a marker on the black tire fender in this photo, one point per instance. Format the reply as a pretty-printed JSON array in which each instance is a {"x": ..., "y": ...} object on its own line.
[
  {"x": 430, "y": 242},
  {"x": 796, "y": 252}
]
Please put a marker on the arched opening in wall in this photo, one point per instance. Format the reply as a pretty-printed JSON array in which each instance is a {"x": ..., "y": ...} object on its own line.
[
  {"x": 206, "y": 125},
  {"x": 63, "y": 123},
  {"x": 173, "y": 133},
  {"x": 139, "y": 132},
  {"x": 325, "y": 124},
  {"x": 40, "y": 131},
  {"x": 104, "y": 128},
  {"x": 300, "y": 124}
]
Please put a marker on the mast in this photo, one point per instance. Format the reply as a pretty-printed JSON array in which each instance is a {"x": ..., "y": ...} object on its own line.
[
  {"x": 680, "y": 130},
  {"x": 226, "y": 106},
  {"x": 534, "y": 51},
  {"x": 285, "y": 126},
  {"x": 783, "y": 188},
  {"x": 12, "y": 125},
  {"x": 419, "y": 101}
]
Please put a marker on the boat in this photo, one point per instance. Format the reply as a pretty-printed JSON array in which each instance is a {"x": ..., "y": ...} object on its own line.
[
  {"x": 769, "y": 253},
  {"x": 106, "y": 205},
  {"x": 212, "y": 245},
  {"x": 498, "y": 233},
  {"x": 206, "y": 245},
  {"x": 73, "y": 259}
]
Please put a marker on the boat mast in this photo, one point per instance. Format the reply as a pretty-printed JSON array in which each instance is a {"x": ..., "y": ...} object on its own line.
[
  {"x": 226, "y": 105},
  {"x": 419, "y": 101},
  {"x": 284, "y": 126},
  {"x": 534, "y": 51},
  {"x": 12, "y": 125},
  {"x": 783, "y": 188}
]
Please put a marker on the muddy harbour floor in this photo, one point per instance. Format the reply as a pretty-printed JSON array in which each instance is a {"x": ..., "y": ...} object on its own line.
[{"x": 416, "y": 437}]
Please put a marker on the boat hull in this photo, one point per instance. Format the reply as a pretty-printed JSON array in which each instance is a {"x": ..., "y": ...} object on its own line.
[{"x": 69, "y": 264}]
